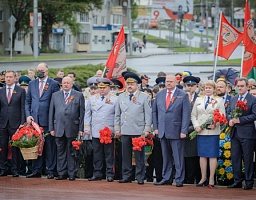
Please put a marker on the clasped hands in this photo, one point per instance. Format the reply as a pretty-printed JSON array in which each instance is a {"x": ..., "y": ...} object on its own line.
[{"x": 182, "y": 135}]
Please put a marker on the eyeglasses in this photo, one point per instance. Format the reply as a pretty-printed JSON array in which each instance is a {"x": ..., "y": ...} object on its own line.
[{"x": 190, "y": 85}]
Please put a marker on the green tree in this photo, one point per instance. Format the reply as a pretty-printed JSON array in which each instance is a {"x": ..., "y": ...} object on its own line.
[
  {"x": 134, "y": 10},
  {"x": 53, "y": 12}
]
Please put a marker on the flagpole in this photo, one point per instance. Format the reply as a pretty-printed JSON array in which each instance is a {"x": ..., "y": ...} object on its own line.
[
  {"x": 242, "y": 62},
  {"x": 217, "y": 50}
]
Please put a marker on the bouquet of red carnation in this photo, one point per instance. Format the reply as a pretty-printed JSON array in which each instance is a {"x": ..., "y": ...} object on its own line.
[
  {"x": 217, "y": 118},
  {"x": 105, "y": 136},
  {"x": 240, "y": 107},
  {"x": 76, "y": 144},
  {"x": 27, "y": 136},
  {"x": 139, "y": 142}
]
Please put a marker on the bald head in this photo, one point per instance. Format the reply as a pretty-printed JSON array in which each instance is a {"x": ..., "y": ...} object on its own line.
[
  {"x": 170, "y": 82},
  {"x": 42, "y": 71},
  {"x": 99, "y": 73},
  {"x": 67, "y": 83}
]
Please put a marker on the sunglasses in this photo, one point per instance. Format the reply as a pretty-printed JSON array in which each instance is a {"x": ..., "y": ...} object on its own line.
[{"x": 190, "y": 85}]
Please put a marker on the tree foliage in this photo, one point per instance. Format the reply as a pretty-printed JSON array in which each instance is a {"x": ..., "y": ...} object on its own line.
[{"x": 53, "y": 12}]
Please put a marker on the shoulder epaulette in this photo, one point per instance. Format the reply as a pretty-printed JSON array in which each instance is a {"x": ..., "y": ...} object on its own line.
[{"x": 113, "y": 95}]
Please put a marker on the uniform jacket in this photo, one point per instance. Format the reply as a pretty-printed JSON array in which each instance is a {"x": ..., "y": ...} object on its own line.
[
  {"x": 66, "y": 118},
  {"x": 246, "y": 128},
  {"x": 14, "y": 112},
  {"x": 99, "y": 113},
  {"x": 38, "y": 107},
  {"x": 133, "y": 117},
  {"x": 174, "y": 120},
  {"x": 199, "y": 114}
]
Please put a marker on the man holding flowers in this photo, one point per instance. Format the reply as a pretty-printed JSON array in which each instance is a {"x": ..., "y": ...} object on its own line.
[
  {"x": 99, "y": 122},
  {"x": 37, "y": 106},
  {"x": 242, "y": 114},
  {"x": 66, "y": 121},
  {"x": 12, "y": 115}
]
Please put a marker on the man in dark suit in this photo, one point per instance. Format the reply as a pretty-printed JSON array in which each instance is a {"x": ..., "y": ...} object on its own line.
[
  {"x": 243, "y": 135},
  {"x": 171, "y": 117},
  {"x": 12, "y": 115},
  {"x": 76, "y": 86},
  {"x": 221, "y": 86},
  {"x": 37, "y": 106},
  {"x": 66, "y": 121}
]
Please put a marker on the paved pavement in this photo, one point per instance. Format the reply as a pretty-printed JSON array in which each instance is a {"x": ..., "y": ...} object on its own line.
[{"x": 42, "y": 188}]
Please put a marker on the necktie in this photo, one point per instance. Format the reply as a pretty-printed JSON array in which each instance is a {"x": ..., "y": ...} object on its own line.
[
  {"x": 130, "y": 96},
  {"x": 241, "y": 98},
  {"x": 66, "y": 98},
  {"x": 9, "y": 95},
  {"x": 41, "y": 88},
  {"x": 102, "y": 97},
  {"x": 207, "y": 102},
  {"x": 168, "y": 99}
]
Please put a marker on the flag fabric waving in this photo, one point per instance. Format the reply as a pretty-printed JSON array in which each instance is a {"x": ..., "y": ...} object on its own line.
[
  {"x": 249, "y": 62},
  {"x": 249, "y": 37},
  {"x": 116, "y": 63},
  {"x": 229, "y": 39}
]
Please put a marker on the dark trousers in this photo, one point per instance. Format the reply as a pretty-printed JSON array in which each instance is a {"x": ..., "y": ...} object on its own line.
[
  {"x": 155, "y": 162},
  {"x": 192, "y": 170},
  {"x": 127, "y": 159},
  {"x": 101, "y": 153},
  {"x": 173, "y": 150},
  {"x": 88, "y": 164},
  {"x": 5, "y": 136},
  {"x": 66, "y": 163},
  {"x": 49, "y": 153},
  {"x": 242, "y": 147}
]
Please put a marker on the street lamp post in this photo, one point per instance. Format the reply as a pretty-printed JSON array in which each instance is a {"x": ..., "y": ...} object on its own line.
[
  {"x": 35, "y": 30},
  {"x": 130, "y": 26}
]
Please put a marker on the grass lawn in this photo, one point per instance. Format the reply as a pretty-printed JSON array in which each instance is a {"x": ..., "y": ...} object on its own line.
[
  {"x": 164, "y": 43},
  {"x": 220, "y": 62},
  {"x": 48, "y": 57}
]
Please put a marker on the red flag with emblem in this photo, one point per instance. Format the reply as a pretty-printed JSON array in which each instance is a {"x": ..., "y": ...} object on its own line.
[
  {"x": 249, "y": 62},
  {"x": 249, "y": 37},
  {"x": 229, "y": 39},
  {"x": 116, "y": 63}
]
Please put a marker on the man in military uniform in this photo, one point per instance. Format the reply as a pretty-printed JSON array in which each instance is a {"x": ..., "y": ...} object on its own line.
[
  {"x": 192, "y": 167},
  {"x": 144, "y": 82},
  {"x": 115, "y": 86},
  {"x": 133, "y": 118},
  {"x": 24, "y": 81},
  {"x": 92, "y": 87},
  {"x": 100, "y": 112}
]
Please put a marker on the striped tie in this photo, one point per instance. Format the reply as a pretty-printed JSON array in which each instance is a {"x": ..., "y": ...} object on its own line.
[{"x": 66, "y": 98}]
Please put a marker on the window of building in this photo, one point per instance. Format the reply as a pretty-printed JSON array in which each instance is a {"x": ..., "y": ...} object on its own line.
[
  {"x": 103, "y": 39},
  {"x": 117, "y": 19},
  {"x": 1, "y": 37},
  {"x": 69, "y": 39},
  {"x": 102, "y": 20},
  {"x": 95, "y": 39},
  {"x": 20, "y": 35},
  {"x": 95, "y": 19},
  {"x": 84, "y": 38},
  {"x": 1, "y": 15},
  {"x": 84, "y": 17}
]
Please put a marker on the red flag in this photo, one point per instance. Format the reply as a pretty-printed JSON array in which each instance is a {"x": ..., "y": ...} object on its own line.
[
  {"x": 116, "y": 62},
  {"x": 229, "y": 39},
  {"x": 249, "y": 37},
  {"x": 248, "y": 63}
]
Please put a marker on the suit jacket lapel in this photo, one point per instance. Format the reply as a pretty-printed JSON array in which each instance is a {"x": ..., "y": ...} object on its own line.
[
  {"x": 100, "y": 102},
  {"x": 37, "y": 87}
]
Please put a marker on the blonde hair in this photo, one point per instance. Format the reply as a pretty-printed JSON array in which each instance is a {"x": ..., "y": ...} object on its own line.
[{"x": 212, "y": 84}]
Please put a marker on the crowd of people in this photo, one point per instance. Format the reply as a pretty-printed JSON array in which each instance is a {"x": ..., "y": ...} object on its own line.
[{"x": 172, "y": 109}]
